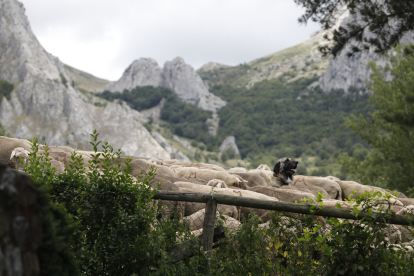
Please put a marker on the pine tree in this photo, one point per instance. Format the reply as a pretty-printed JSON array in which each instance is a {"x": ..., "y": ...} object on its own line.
[
  {"x": 389, "y": 129},
  {"x": 387, "y": 21}
]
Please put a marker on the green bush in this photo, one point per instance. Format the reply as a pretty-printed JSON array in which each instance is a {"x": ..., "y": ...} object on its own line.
[
  {"x": 5, "y": 89},
  {"x": 311, "y": 245},
  {"x": 64, "y": 80},
  {"x": 56, "y": 255},
  {"x": 3, "y": 132},
  {"x": 117, "y": 231},
  {"x": 224, "y": 156}
]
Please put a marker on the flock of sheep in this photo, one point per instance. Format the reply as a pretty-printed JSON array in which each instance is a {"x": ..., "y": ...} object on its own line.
[{"x": 261, "y": 183}]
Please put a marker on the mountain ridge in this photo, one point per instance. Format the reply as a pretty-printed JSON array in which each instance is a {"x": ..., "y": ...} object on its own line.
[{"x": 45, "y": 104}]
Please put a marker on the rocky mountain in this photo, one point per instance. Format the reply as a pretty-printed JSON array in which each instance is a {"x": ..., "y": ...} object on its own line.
[
  {"x": 176, "y": 75},
  {"x": 302, "y": 60},
  {"x": 84, "y": 81},
  {"x": 344, "y": 72},
  {"x": 45, "y": 104}
]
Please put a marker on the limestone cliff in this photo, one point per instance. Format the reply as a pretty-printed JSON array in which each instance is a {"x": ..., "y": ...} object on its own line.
[
  {"x": 45, "y": 104},
  {"x": 180, "y": 77},
  {"x": 141, "y": 72},
  {"x": 301, "y": 60},
  {"x": 343, "y": 72}
]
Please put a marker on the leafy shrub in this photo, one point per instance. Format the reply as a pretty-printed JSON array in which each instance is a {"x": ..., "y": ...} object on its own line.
[
  {"x": 64, "y": 80},
  {"x": 5, "y": 89},
  {"x": 117, "y": 232},
  {"x": 311, "y": 245},
  {"x": 224, "y": 156},
  {"x": 56, "y": 256},
  {"x": 3, "y": 132}
]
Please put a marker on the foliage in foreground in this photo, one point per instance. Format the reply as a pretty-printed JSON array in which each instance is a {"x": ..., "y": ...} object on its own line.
[
  {"x": 377, "y": 25},
  {"x": 389, "y": 129},
  {"x": 310, "y": 245},
  {"x": 117, "y": 231}
]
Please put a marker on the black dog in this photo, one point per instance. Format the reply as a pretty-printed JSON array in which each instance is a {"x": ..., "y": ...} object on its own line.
[{"x": 284, "y": 170}]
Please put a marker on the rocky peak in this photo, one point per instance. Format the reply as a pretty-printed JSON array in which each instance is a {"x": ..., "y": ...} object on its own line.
[
  {"x": 142, "y": 72},
  {"x": 176, "y": 75},
  {"x": 229, "y": 142},
  {"x": 44, "y": 104},
  {"x": 188, "y": 85},
  {"x": 211, "y": 66},
  {"x": 344, "y": 71}
]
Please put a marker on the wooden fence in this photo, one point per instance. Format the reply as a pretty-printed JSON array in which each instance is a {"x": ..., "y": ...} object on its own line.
[{"x": 212, "y": 200}]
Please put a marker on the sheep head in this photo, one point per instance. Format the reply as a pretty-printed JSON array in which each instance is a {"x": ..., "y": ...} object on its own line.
[{"x": 18, "y": 153}]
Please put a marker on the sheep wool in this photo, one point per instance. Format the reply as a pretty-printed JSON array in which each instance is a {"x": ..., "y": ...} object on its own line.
[
  {"x": 207, "y": 175},
  {"x": 331, "y": 187},
  {"x": 252, "y": 179},
  {"x": 237, "y": 170},
  {"x": 200, "y": 166},
  {"x": 7, "y": 145},
  {"x": 265, "y": 175}
]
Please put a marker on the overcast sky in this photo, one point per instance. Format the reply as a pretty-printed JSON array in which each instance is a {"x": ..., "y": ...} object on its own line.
[{"x": 103, "y": 37}]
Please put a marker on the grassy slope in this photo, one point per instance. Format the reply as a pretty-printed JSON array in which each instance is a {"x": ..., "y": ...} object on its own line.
[
  {"x": 302, "y": 60},
  {"x": 85, "y": 81}
]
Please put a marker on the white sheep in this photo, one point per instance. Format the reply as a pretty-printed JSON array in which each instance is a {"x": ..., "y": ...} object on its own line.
[
  {"x": 263, "y": 167},
  {"x": 18, "y": 153},
  {"x": 217, "y": 183}
]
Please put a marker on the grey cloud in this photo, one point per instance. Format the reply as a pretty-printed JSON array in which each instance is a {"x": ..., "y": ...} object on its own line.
[{"x": 229, "y": 32}]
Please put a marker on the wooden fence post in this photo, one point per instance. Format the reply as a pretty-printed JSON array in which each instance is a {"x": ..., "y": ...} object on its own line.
[{"x": 208, "y": 227}]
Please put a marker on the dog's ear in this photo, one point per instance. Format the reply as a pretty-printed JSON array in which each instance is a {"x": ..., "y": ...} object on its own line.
[{"x": 276, "y": 169}]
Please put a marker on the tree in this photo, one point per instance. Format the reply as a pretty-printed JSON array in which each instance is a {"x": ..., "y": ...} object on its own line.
[
  {"x": 389, "y": 129},
  {"x": 387, "y": 20}
]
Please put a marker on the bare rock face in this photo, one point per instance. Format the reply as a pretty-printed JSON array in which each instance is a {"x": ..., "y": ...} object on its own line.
[
  {"x": 168, "y": 147},
  {"x": 142, "y": 72},
  {"x": 44, "y": 104},
  {"x": 176, "y": 75},
  {"x": 343, "y": 72},
  {"x": 189, "y": 87},
  {"x": 229, "y": 142}
]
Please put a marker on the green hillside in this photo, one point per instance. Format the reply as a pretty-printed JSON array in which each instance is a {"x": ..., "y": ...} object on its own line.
[
  {"x": 272, "y": 119},
  {"x": 300, "y": 61},
  {"x": 277, "y": 118}
]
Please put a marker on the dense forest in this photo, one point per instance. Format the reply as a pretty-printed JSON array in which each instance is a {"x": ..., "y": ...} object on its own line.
[
  {"x": 183, "y": 119},
  {"x": 272, "y": 119},
  {"x": 275, "y": 119}
]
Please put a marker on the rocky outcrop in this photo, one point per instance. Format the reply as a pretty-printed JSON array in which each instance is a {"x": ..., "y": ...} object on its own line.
[
  {"x": 344, "y": 72},
  {"x": 211, "y": 66},
  {"x": 168, "y": 147},
  {"x": 188, "y": 86},
  {"x": 20, "y": 224},
  {"x": 142, "y": 72},
  {"x": 44, "y": 103},
  {"x": 176, "y": 75},
  {"x": 229, "y": 142}
]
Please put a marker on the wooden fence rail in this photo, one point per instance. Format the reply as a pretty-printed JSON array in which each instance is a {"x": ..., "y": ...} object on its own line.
[
  {"x": 272, "y": 205},
  {"x": 212, "y": 200}
]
